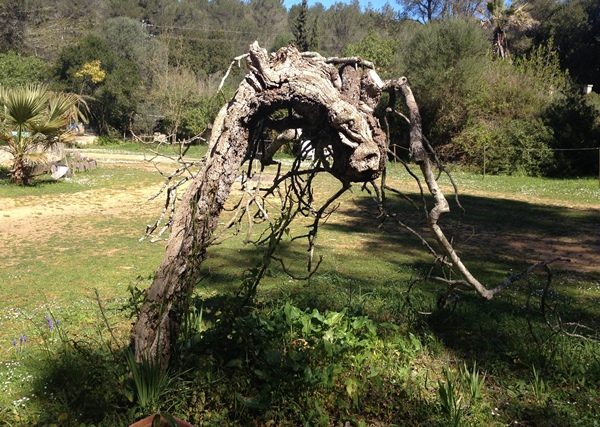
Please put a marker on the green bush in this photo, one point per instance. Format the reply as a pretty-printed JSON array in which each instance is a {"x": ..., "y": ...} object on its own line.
[
  {"x": 17, "y": 70},
  {"x": 575, "y": 122},
  {"x": 198, "y": 118},
  {"x": 517, "y": 146},
  {"x": 444, "y": 62},
  {"x": 104, "y": 140},
  {"x": 506, "y": 116}
]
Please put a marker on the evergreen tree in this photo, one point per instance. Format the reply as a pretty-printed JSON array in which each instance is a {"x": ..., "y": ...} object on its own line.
[{"x": 300, "y": 29}]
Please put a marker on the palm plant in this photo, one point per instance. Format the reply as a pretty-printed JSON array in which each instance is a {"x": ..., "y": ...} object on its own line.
[
  {"x": 33, "y": 119},
  {"x": 501, "y": 20}
]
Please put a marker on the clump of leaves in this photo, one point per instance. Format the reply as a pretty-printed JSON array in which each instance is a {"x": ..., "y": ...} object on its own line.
[{"x": 307, "y": 366}]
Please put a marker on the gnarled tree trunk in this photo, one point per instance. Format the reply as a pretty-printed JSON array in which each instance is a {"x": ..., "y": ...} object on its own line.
[
  {"x": 334, "y": 108},
  {"x": 334, "y": 105}
]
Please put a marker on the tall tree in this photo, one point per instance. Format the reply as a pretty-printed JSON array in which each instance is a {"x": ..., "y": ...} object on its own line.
[
  {"x": 574, "y": 27},
  {"x": 502, "y": 19},
  {"x": 270, "y": 17},
  {"x": 422, "y": 10},
  {"x": 445, "y": 59},
  {"x": 116, "y": 97},
  {"x": 300, "y": 29},
  {"x": 343, "y": 24}
]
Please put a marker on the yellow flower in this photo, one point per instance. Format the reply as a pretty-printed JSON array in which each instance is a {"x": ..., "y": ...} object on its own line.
[{"x": 93, "y": 70}]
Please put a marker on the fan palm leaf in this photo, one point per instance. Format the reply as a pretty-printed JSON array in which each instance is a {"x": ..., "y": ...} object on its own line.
[{"x": 32, "y": 120}]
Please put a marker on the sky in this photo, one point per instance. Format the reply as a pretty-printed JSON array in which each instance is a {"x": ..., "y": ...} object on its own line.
[{"x": 376, "y": 4}]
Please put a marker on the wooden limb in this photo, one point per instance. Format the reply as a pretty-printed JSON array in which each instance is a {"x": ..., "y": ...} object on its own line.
[
  {"x": 441, "y": 206},
  {"x": 318, "y": 217},
  {"x": 516, "y": 277},
  {"x": 351, "y": 60}
]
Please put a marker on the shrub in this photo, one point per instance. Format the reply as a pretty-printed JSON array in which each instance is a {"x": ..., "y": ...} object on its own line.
[
  {"x": 576, "y": 126},
  {"x": 104, "y": 140},
  {"x": 444, "y": 61},
  {"x": 512, "y": 147}
]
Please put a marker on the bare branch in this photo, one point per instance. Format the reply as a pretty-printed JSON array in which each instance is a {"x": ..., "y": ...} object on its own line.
[{"x": 516, "y": 277}]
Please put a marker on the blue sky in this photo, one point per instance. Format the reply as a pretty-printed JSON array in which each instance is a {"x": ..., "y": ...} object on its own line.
[{"x": 376, "y": 4}]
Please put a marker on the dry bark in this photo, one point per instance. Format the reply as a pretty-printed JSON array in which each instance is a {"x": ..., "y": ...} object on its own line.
[{"x": 335, "y": 106}]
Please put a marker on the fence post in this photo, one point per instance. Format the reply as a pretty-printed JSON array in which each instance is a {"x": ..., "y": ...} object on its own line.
[{"x": 484, "y": 159}]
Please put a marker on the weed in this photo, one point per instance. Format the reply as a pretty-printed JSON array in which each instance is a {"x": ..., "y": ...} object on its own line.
[
  {"x": 538, "y": 385},
  {"x": 472, "y": 382},
  {"x": 150, "y": 383},
  {"x": 450, "y": 398}
]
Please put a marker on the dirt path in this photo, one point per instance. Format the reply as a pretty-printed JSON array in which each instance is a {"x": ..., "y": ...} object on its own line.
[{"x": 41, "y": 216}]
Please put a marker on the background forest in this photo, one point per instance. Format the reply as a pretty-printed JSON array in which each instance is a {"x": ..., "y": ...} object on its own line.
[{"x": 497, "y": 84}]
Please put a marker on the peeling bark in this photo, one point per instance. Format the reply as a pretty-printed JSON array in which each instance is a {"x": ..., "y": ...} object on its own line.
[{"x": 327, "y": 100}]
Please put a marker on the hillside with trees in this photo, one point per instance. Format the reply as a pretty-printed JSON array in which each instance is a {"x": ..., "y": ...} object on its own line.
[{"x": 499, "y": 85}]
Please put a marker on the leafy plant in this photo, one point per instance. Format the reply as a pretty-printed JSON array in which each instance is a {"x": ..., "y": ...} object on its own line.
[
  {"x": 33, "y": 119},
  {"x": 150, "y": 383},
  {"x": 472, "y": 382},
  {"x": 538, "y": 384}
]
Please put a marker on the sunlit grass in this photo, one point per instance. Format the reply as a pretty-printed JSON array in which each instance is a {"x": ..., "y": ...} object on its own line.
[
  {"x": 565, "y": 191},
  {"x": 367, "y": 269},
  {"x": 191, "y": 151}
]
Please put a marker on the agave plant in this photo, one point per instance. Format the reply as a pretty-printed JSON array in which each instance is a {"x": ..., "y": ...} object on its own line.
[{"x": 33, "y": 119}]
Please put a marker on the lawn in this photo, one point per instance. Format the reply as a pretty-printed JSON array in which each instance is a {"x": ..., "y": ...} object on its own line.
[{"x": 360, "y": 342}]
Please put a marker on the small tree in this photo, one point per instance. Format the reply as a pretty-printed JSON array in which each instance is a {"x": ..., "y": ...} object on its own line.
[
  {"x": 33, "y": 119},
  {"x": 380, "y": 51},
  {"x": 300, "y": 28}
]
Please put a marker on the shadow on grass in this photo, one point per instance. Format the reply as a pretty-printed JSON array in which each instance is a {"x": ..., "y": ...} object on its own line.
[
  {"x": 88, "y": 383},
  {"x": 82, "y": 382},
  {"x": 508, "y": 233},
  {"x": 495, "y": 238}
]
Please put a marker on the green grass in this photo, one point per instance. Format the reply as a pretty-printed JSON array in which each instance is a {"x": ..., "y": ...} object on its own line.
[
  {"x": 105, "y": 177},
  {"x": 193, "y": 151},
  {"x": 568, "y": 191},
  {"x": 350, "y": 344}
]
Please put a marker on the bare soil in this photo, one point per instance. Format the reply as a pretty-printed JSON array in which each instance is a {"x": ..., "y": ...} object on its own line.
[{"x": 39, "y": 218}]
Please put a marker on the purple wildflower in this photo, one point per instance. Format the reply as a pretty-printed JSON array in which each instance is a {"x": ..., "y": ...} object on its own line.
[
  {"x": 15, "y": 343},
  {"x": 50, "y": 323}
]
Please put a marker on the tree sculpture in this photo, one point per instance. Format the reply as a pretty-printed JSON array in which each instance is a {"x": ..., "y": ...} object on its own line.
[{"x": 335, "y": 106}]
